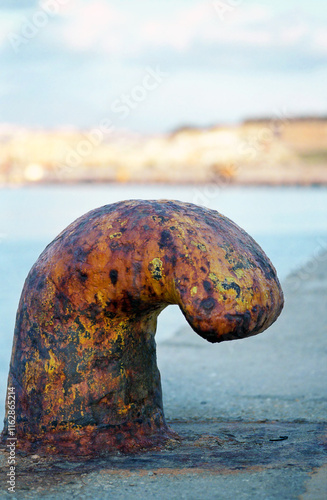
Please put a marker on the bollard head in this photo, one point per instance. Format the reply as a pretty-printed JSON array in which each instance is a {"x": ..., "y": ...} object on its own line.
[
  {"x": 228, "y": 288},
  {"x": 84, "y": 360}
]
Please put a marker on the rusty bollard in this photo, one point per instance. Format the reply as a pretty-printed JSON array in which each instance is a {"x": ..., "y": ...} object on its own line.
[{"x": 84, "y": 356}]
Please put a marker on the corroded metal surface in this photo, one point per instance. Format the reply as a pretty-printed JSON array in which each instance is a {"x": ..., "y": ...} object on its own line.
[{"x": 84, "y": 360}]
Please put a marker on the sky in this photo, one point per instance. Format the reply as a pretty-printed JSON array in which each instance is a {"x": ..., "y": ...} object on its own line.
[{"x": 154, "y": 66}]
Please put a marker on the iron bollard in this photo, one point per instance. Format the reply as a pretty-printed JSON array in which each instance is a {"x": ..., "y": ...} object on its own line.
[{"x": 84, "y": 356}]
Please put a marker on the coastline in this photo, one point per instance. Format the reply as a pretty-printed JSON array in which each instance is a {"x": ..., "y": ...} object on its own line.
[
  {"x": 291, "y": 180},
  {"x": 268, "y": 152}
]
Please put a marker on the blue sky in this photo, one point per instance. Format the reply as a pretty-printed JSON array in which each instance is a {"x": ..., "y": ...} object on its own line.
[{"x": 78, "y": 62}]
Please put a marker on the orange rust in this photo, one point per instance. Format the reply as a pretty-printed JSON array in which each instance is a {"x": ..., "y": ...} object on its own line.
[{"x": 84, "y": 359}]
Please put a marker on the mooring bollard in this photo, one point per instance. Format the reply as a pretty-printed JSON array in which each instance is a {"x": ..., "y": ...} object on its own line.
[{"x": 84, "y": 356}]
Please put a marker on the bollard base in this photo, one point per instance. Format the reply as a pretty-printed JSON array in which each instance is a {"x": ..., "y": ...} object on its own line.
[{"x": 130, "y": 437}]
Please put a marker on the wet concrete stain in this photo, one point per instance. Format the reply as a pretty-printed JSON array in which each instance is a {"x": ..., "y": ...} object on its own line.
[{"x": 214, "y": 448}]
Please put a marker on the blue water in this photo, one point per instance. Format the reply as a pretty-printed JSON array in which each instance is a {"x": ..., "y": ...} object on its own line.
[{"x": 289, "y": 223}]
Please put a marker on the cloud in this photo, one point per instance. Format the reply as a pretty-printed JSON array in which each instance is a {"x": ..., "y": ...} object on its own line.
[
  {"x": 248, "y": 28},
  {"x": 177, "y": 33},
  {"x": 95, "y": 25},
  {"x": 254, "y": 38},
  {"x": 253, "y": 35},
  {"x": 249, "y": 35},
  {"x": 320, "y": 41},
  {"x": 88, "y": 53}
]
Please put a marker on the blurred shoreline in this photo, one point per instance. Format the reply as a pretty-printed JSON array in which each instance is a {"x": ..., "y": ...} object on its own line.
[{"x": 273, "y": 151}]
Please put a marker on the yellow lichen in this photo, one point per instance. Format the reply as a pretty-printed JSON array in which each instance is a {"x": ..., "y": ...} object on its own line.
[
  {"x": 222, "y": 286},
  {"x": 101, "y": 298},
  {"x": 156, "y": 268},
  {"x": 52, "y": 363},
  {"x": 239, "y": 273},
  {"x": 200, "y": 246},
  {"x": 116, "y": 235}
]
